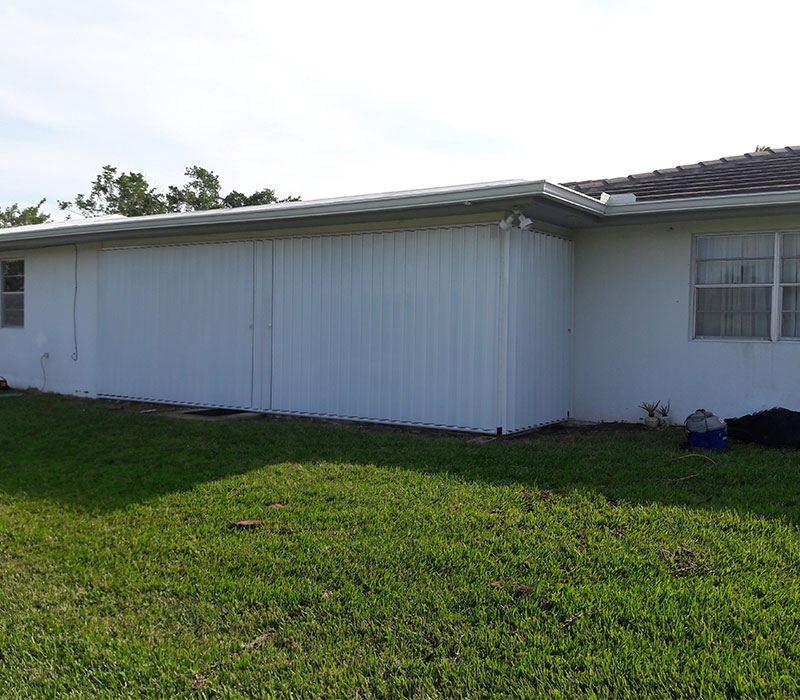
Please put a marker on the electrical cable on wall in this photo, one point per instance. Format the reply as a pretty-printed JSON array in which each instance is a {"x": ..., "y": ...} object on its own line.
[
  {"x": 44, "y": 357},
  {"x": 75, "y": 309}
]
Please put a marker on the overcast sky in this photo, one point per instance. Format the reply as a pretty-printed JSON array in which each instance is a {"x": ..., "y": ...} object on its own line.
[{"x": 321, "y": 99}]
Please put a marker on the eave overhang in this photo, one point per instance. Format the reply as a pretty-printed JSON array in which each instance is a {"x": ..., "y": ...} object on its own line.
[
  {"x": 717, "y": 206},
  {"x": 539, "y": 199}
]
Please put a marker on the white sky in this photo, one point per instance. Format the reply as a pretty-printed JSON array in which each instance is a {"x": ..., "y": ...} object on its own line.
[{"x": 322, "y": 99}]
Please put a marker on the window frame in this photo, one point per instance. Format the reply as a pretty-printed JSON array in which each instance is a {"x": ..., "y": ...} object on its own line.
[
  {"x": 3, "y": 293},
  {"x": 776, "y": 296}
]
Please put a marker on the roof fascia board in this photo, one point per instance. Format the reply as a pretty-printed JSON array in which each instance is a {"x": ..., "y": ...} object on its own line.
[
  {"x": 700, "y": 204},
  {"x": 503, "y": 194},
  {"x": 573, "y": 199},
  {"x": 254, "y": 216}
]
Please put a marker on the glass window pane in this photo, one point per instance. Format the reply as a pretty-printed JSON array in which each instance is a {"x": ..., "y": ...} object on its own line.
[
  {"x": 14, "y": 319},
  {"x": 13, "y": 302},
  {"x": 790, "y": 257},
  {"x": 735, "y": 246},
  {"x": 790, "y": 270},
  {"x": 13, "y": 267},
  {"x": 790, "y": 324},
  {"x": 740, "y": 259},
  {"x": 13, "y": 310},
  {"x": 758, "y": 246},
  {"x": 13, "y": 284},
  {"x": 750, "y": 271},
  {"x": 790, "y": 298},
  {"x": 790, "y": 312},
  {"x": 790, "y": 244},
  {"x": 12, "y": 299},
  {"x": 732, "y": 325},
  {"x": 733, "y": 313},
  {"x": 744, "y": 299}
]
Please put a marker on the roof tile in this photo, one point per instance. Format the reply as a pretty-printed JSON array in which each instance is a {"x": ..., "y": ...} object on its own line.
[{"x": 759, "y": 171}]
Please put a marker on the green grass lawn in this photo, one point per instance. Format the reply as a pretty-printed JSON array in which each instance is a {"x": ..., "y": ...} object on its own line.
[{"x": 599, "y": 563}]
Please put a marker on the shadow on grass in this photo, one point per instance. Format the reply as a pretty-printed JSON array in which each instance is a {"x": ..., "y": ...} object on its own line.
[{"x": 100, "y": 456}]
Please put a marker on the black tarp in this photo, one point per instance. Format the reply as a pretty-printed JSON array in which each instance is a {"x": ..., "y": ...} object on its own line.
[{"x": 777, "y": 427}]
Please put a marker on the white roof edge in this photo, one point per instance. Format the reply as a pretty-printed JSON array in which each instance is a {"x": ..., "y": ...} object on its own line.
[
  {"x": 387, "y": 201},
  {"x": 707, "y": 203},
  {"x": 573, "y": 198}
]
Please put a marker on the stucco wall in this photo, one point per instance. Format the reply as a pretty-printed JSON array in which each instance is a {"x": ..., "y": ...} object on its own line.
[
  {"x": 633, "y": 306},
  {"x": 49, "y": 293}
]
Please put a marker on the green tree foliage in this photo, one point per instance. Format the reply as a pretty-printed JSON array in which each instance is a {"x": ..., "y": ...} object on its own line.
[
  {"x": 236, "y": 199},
  {"x": 14, "y": 216},
  {"x": 130, "y": 194},
  {"x": 203, "y": 192},
  {"x": 200, "y": 193}
]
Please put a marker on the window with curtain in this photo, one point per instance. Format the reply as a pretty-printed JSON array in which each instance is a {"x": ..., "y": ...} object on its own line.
[
  {"x": 747, "y": 286},
  {"x": 733, "y": 286}
]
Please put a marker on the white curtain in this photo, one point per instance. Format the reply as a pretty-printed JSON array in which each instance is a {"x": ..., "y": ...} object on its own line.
[{"x": 734, "y": 277}]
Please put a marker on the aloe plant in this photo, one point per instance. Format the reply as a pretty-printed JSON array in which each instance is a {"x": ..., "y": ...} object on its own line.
[{"x": 650, "y": 407}]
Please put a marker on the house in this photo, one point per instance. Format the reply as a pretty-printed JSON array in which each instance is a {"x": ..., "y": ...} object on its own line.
[{"x": 493, "y": 307}]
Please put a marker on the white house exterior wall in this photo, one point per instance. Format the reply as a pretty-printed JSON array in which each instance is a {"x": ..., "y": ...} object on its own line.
[
  {"x": 633, "y": 337},
  {"x": 49, "y": 328}
]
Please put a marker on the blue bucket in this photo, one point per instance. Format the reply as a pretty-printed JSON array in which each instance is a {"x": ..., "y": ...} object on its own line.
[{"x": 710, "y": 440}]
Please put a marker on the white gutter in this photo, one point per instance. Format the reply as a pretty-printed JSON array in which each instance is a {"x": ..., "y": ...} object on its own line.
[
  {"x": 410, "y": 200},
  {"x": 572, "y": 198},
  {"x": 391, "y": 201},
  {"x": 708, "y": 203}
]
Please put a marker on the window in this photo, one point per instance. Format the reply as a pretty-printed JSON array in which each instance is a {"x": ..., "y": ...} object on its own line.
[
  {"x": 790, "y": 285},
  {"x": 12, "y": 293},
  {"x": 747, "y": 286}
]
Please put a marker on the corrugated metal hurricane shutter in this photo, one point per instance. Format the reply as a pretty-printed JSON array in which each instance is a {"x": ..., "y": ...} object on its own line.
[
  {"x": 539, "y": 330},
  {"x": 455, "y": 327},
  {"x": 175, "y": 323},
  {"x": 398, "y": 326}
]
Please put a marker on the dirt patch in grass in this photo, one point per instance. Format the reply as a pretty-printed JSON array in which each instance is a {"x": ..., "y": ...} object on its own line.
[
  {"x": 246, "y": 524},
  {"x": 529, "y": 498},
  {"x": 569, "y": 429},
  {"x": 259, "y": 641},
  {"x": 685, "y": 561},
  {"x": 199, "y": 682},
  {"x": 515, "y": 589}
]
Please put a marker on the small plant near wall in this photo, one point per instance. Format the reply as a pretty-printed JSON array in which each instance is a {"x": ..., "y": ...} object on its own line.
[
  {"x": 662, "y": 412},
  {"x": 650, "y": 419}
]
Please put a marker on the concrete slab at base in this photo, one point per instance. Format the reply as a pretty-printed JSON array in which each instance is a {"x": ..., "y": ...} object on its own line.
[{"x": 191, "y": 414}]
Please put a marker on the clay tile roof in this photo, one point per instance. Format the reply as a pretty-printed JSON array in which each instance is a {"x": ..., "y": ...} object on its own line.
[{"x": 773, "y": 170}]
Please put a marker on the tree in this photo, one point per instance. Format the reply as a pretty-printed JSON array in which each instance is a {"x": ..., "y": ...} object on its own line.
[
  {"x": 128, "y": 194},
  {"x": 203, "y": 192},
  {"x": 14, "y": 216},
  {"x": 131, "y": 195},
  {"x": 200, "y": 193},
  {"x": 237, "y": 199}
]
